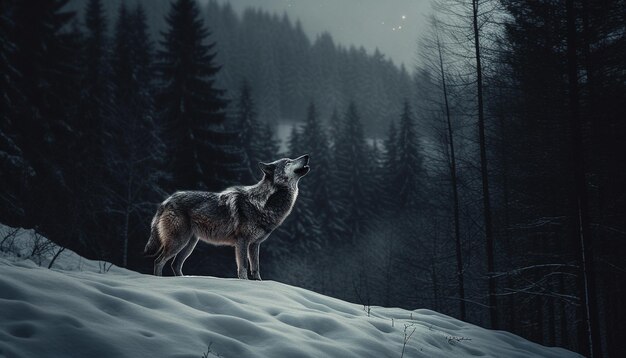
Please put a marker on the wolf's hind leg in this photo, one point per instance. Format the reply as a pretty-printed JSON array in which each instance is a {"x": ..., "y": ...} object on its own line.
[
  {"x": 159, "y": 262},
  {"x": 242, "y": 262},
  {"x": 175, "y": 234},
  {"x": 175, "y": 231},
  {"x": 169, "y": 252},
  {"x": 179, "y": 260},
  {"x": 253, "y": 257}
]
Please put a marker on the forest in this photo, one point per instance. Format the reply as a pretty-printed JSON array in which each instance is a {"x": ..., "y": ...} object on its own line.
[{"x": 484, "y": 181}]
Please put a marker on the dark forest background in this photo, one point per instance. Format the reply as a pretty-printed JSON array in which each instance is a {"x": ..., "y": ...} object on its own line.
[{"x": 486, "y": 182}]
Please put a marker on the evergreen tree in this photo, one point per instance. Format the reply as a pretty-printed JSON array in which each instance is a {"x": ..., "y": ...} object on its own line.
[
  {"x": 293, "y": 143},
  {"x": 91, "y": 177},
  {"x": 8, "y": 71},
  {"x": 142, "y": 50},
  {"x": 318, "y": 183},
  {"x": 270, "y": 146},
  {"x": 352, "y": 177},
  {"x": 249, "y": 129},
  {"x": 390, "y": 170},
  {"x": 334, "y": 126},
  {"x": 137, "y": 150},
  {"x": 95, "y": 100},
  {"x": 44, "y": 56},
  {"x": 410, "y": 169},
  {"x": 192, "y": 108},
  {"x": 376, "y": 174},
  {"x": 300, "y": 230},
  {"x": 13, "y": 166},
  {"x": 121, "y": 59}
]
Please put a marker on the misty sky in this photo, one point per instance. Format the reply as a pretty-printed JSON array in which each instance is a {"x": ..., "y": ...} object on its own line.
[{"x": 391, "y": 25}]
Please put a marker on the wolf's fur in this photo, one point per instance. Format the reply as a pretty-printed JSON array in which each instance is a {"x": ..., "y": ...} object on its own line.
[{"x": 241, "y": 216}]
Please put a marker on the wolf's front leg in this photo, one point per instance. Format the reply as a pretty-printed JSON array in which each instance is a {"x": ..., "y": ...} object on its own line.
[
  {"x": 253, "y": 256},
  {"x": 242, "y": 263}
]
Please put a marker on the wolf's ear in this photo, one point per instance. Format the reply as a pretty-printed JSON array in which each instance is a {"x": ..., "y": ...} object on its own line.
[{"x": 267, "y": 168}]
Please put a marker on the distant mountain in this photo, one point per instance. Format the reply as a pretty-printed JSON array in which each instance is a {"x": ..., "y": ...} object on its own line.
[{"x": 286, "y": 69}]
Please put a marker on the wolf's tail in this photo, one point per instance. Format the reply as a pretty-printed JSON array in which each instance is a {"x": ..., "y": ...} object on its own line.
[{"x": 154, "y": 246}]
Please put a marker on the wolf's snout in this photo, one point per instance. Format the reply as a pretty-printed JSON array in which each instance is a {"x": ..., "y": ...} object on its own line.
[
  {"x": 303, "y": 167},
  {"x": 303, "y": 159}
]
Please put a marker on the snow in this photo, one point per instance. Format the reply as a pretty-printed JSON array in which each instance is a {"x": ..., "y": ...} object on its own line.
[{"x": 78, "y": 308}]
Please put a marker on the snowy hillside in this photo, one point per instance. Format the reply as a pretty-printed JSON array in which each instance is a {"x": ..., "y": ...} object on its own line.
[{"x": 80, "y": 309}]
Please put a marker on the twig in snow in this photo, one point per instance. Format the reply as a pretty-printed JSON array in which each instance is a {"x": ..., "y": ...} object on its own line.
[{"x": 407, "y": 336}]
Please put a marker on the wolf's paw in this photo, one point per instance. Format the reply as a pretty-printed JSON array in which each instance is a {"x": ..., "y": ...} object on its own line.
[{"x": 256, "y": 276}]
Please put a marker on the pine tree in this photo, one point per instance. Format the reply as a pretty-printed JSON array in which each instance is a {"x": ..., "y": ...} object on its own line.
[
  {"x": 95, "y": 130},
  {"x": 137, "y": 151},
  {"x": 300, "y": 229},
  {"x": 390, "y": 170},
  {"x": 376, "y": 175},
  {"x": 352, "y": 179},
  {"x": 95, "y": 100},
  {"x": 293, "y": 142},
  {"x": 269, "y": 144},
  {"x": 8, "y": 71},
  {"x": 13, "y": 165},
  {"x": 192, "y": 108},
  {"x": 44, "y": 57},
  {"x": 121, "y": 62},
  {"x": 249, "y": 129},
  {"x": 318, "y": 183},
  {"x": 410, "y": 169},
  {"x": 334, "y": 127}
]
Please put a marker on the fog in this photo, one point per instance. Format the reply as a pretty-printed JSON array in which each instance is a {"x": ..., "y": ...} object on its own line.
[{"x": 368, "y": 23}]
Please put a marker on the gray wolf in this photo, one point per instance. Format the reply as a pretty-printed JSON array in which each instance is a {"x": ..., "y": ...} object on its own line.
[{"x": 240, "y": 216}]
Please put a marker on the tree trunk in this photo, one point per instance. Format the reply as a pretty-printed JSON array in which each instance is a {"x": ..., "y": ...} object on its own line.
[
  {"x": 491, "y": 281},
  {"x": 455, "y": 192},
  {"x": 551, "y": 315},
  {"x": 539, "y": 329},
  {"x": 125, "y": 253},
  {"x": 388, "y": 274},
  {"x": 510, "y": 315},
  {"x": 564, "y": 326},
  {"x": 587, "y": 312},
  {"x": 127, "y": 210}
]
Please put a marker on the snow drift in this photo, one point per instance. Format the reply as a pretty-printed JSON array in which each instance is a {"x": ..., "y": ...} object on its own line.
[{"x": 81, "y": 308}]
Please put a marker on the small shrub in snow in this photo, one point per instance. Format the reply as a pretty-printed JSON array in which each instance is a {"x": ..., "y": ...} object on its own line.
[
  {"x": 8, "y": 239},
  {"x": 28, "y": 244}
]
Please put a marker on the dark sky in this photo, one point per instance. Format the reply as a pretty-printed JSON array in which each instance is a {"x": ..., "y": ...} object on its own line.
[{"x": 391, "y": 25}]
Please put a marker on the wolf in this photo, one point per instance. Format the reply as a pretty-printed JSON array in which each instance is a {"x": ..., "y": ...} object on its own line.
[{"x": 240, "y": 216}]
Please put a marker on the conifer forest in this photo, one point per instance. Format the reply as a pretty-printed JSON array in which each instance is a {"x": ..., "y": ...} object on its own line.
[{"x": 484, "y": 180}]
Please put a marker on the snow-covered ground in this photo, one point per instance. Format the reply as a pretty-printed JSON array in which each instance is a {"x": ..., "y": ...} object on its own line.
[{"x": 81, "y": 308}]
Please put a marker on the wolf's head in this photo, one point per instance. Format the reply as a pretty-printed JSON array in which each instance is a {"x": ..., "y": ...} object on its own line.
[{"x": 286, "y": 171}]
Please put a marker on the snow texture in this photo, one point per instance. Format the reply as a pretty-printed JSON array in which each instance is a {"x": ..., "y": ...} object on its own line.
[{"x": 80, "y": 309}]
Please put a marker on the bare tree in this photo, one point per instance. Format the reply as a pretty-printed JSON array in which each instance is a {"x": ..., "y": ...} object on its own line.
[
  {"x": 588, "y": 329},
  {"x": 465, "y": 22},
  {"x": 433, "y": 60},
  {"x": 493, "y": 312}
]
